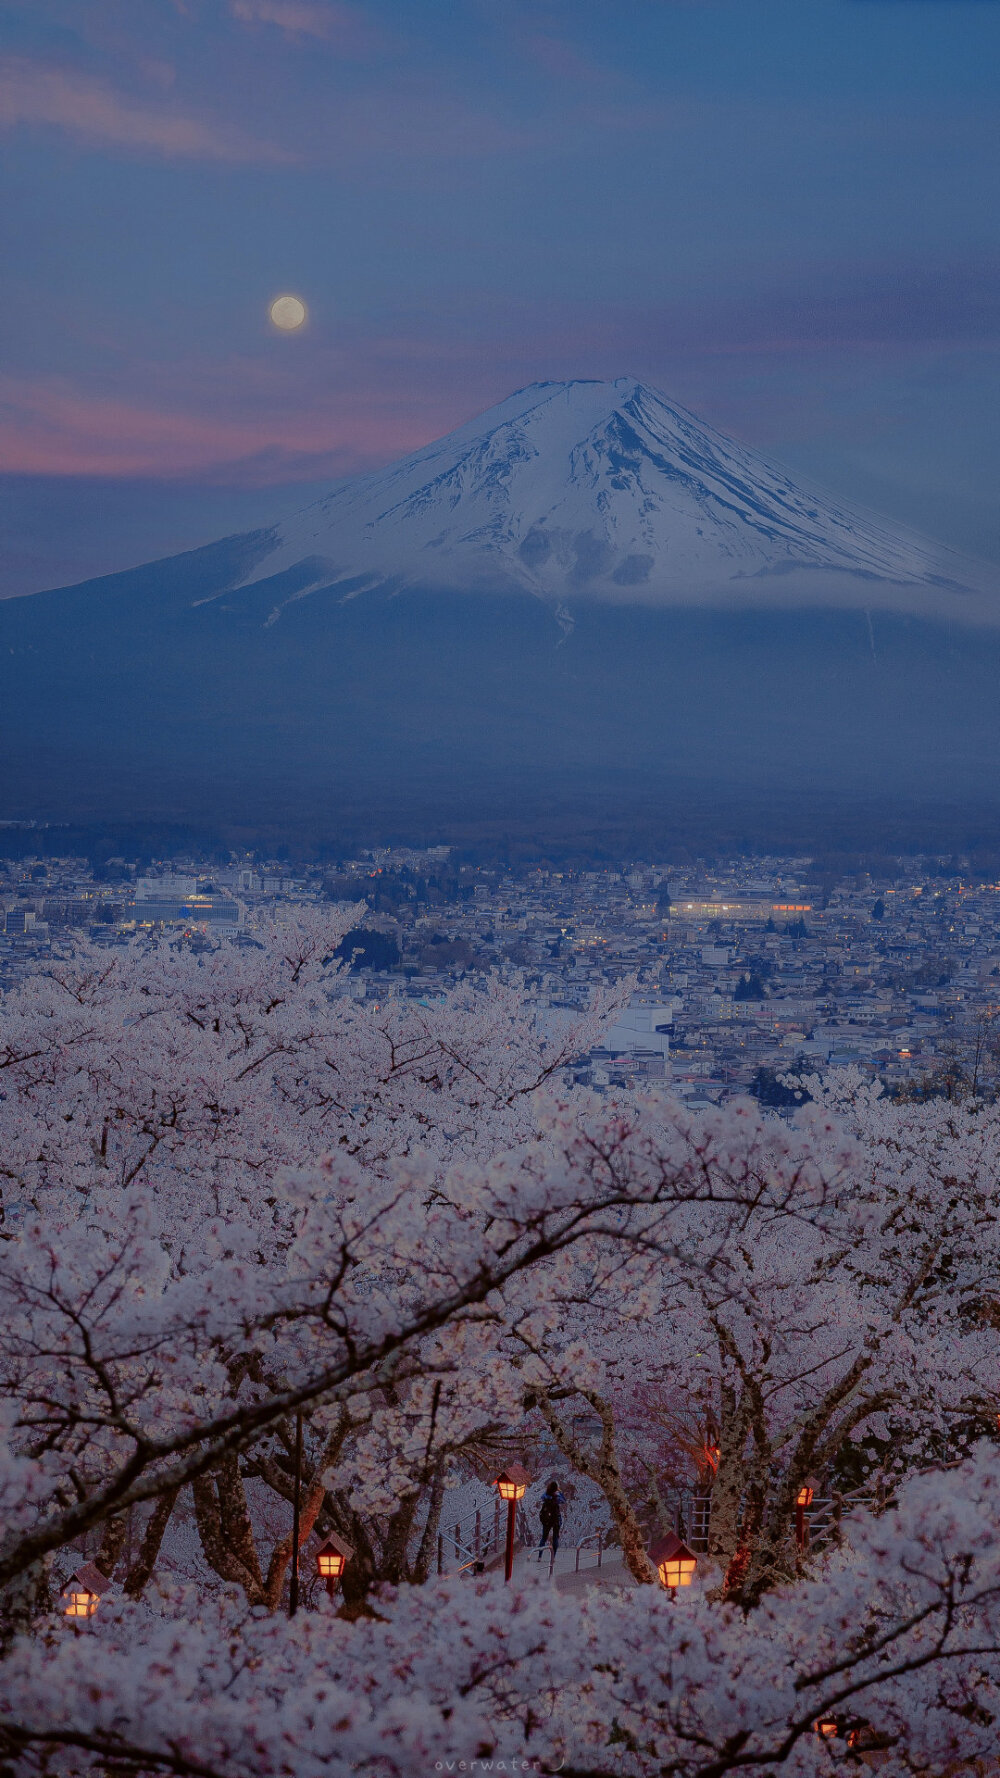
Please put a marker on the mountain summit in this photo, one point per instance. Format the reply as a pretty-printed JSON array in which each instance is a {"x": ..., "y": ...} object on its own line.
[
  {"x": 585, "y": 599},
  {"x": 606, "y": 490}
]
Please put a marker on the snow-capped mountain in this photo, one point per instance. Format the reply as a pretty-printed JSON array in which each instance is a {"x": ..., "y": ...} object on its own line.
[
  {"x": 584, "y": 600},
  {"x": 605, "y": 490}
]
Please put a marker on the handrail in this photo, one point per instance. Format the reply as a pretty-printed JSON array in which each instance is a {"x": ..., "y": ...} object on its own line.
[
  {"x": 473, "y": 1542},
  {"x": 584, "y": 1543},
  {"x": 689, "y": 1514},
  {"x": 476, "y": 1543}
]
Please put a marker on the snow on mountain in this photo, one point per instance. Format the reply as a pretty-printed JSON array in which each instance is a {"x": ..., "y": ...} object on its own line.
[
  {"x": 584, "y": 600},
  {"x": 607, "y": 490}
]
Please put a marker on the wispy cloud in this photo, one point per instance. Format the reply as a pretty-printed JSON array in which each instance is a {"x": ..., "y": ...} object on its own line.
[
  {"x": 564, "y": 61},
  {"x": 35, "y": 93},
  {"x": 348, "y": 397},
  {"x": 52, "y": 426},
  {"x": 343, "y": 26}
]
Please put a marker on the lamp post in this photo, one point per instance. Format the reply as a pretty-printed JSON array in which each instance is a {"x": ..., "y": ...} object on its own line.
[
  {"x": 293, "y": 1583},
  {"x": 332, "y": 1558},
  {"x": 803, "y": 1501},
  {"x": 510, "y": 1487},
  {"x": 674, "y": 1562}
]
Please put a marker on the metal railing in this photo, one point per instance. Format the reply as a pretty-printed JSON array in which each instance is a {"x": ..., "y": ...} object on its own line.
[
  {"x": 477, "y": 1542},
  {"x": 689, "y": 1514},
  {"x": 603, "y": 1537},
  {"x": 824, "y": 1516}
]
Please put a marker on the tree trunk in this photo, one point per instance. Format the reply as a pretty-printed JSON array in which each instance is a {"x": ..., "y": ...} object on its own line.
[
  {"x": 112, "y": 1544},
  {"x": 392, "y": 1567},
  {"x": 361, "y": 1571},
  {"x": 602, "y": 1467},
  {"x": 729, "y": 1479},
  {"x": 138, "y": 1576},
  {"x": 215, "y": 1526},
  {"x": 310, "y": 1508},
  {"x": 425, "y": 1553},
  {"x": 234, "y": 1513},
  {"x": 772, "y": 1547},
  {"x": 23, "y": 1602},
  {"x": 281, "y": 1555}
]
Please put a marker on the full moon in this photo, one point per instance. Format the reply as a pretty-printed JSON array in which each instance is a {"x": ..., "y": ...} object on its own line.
[{"x": 287, "y": 312}]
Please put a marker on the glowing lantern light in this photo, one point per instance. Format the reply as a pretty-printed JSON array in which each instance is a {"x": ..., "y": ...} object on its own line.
[
  {"x": 674, "y": 1562},
  {"x": 803, "y": 1501},
  {"x": 82, "y": 1592},
  {"x": 826, "y": 1729},
  {"x": 82, "y": 1604},
  {"x": 511, "y": 1484},
  {"x": 332, "y": 1558}
]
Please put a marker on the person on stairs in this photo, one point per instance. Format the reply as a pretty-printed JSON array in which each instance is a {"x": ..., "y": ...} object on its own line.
[{"x": 550, "y": 1514}]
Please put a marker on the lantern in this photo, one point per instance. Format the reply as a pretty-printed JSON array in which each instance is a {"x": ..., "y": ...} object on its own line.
[
  {"x": 82, "y": 1592},
  {"x": 673, "y": 1561},
  {"x": 332, "y": 1558},
  {"x": 709, "y": 1462},
  {"x": 511, "y": 1484},
  {"x": 826, "y": 1728},
  {"x": 804, "y": 1498}
]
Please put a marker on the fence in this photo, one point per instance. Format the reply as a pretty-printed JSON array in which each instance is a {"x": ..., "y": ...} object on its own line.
[
  {"x": 479, "y": 1541},
  {"x": 689, "y": 1514},
  {"x": 479, "y": 1538}
]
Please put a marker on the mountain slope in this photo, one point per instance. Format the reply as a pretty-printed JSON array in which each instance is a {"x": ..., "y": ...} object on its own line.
[
  {"x": 606, "y": 490},
  {"x": 584, "y": 599}
]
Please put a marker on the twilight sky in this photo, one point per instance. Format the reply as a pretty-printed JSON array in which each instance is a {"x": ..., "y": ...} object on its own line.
[{"x": 784, "y": 213}]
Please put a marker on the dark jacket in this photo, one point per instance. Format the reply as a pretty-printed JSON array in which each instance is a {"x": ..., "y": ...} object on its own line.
[{"x": 550, "y": 1511}]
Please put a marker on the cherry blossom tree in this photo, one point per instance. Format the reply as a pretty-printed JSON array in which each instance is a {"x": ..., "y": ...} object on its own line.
[
  {"x": 209, "y": 1071},
  {"x": 853, "y": 1332},
  {"x": 178, "y": 1088},
  {"x": 234, "y": 1196},
  {"x": 895, "y": 1647}
]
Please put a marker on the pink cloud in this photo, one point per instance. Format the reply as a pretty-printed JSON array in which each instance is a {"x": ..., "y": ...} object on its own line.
[
  {"x": 323, "y": 19},
  {"x": 564, "y": 61},
  {"x": 339, "y": 402},
  {"x": 34, "y": 93},
  {"x": 52, "y": 427}
]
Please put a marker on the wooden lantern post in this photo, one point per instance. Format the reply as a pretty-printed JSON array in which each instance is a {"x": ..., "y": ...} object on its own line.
[{"x": 510, "y": 1487}]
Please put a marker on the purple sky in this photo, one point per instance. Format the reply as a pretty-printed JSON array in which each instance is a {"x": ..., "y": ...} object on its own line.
[{"x": 782, "y": 212}]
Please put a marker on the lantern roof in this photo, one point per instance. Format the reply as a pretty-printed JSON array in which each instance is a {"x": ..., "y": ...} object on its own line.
[
  {"x": 337, "y": 1546},
  {"x": 515, "y": 1472},
  {"x": 87, "y": 1579},
  {"x": 670, "y": 1548}
]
